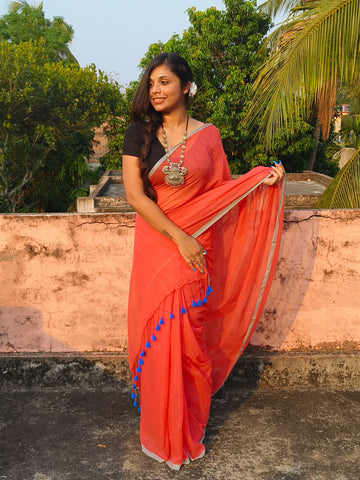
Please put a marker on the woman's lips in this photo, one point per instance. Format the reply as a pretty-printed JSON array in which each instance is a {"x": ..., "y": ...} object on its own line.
[{"x": 158, "y": 100}]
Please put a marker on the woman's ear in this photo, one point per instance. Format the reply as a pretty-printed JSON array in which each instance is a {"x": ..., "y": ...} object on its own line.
[{"x": 186, "y": 88}]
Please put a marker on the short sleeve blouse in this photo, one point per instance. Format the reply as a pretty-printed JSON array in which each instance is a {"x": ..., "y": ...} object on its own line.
[{"x": 133, "y": 141}]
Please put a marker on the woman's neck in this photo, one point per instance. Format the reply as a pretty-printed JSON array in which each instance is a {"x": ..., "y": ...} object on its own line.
[{"x": 175, "y": 120}]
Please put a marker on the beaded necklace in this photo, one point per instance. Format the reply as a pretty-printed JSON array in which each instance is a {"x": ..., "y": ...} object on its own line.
[{"x": 174, "y": 172}]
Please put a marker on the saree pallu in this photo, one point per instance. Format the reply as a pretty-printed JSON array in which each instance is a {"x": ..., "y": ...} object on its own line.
[{"x": 187, "y": 329}]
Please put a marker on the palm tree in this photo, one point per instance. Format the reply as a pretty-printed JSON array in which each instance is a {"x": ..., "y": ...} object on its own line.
[
  {"x": 26, "y": 22},
  {"x": 344, "y": 190},
  {"x": 312, "y": 54}
]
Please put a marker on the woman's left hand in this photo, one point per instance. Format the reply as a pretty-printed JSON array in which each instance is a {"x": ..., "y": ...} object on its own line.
[{"x": 277, "y": 172}]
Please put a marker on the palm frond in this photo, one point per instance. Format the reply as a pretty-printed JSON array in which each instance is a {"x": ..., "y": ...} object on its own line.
[
  {"x": 273, "y": 7},
  {"x": 344, "y": 190},
  {"x": 18, "y": 6},
  {"x": 319, "y": 50}
]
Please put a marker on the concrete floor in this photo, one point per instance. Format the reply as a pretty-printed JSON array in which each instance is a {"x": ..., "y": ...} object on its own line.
[
  {"x": 303, "y": 188},
  {"x": 92, "y": 434}
]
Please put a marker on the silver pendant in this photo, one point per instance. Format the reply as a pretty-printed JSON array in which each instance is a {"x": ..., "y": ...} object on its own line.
[{"x": 174, "y": 174}]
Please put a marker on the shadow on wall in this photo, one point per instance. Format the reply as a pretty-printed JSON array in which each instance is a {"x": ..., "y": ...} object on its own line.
[
  {"x": 21, "y": 330},
  {"x": 292, "y": 277},
  {"x": 30, "y": 357}
]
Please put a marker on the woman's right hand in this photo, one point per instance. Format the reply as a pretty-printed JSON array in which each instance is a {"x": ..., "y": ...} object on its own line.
[{"x": 192, "y": 252}]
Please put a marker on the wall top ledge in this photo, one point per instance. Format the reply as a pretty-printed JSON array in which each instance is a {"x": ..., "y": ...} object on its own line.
[
  {"x": 129, "y": 215},
  {"x": 289, "y": 213}
]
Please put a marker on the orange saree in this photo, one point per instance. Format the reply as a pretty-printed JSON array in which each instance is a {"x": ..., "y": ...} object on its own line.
[{"x": 187, "y": 329}]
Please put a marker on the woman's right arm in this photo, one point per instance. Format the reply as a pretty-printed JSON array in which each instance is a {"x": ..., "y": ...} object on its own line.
[{"x": 188, "y": 247}]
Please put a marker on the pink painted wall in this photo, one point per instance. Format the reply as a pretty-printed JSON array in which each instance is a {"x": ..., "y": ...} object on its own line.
[{"x": 64, "y": 283}]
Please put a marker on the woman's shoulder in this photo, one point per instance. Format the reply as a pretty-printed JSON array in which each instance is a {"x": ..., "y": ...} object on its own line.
[
  {"x": 211, "y": 132},
  {"x": 134, "y": 128},
  {"x": 196, "y": 125},
  {"x": 133, "y": 139}
]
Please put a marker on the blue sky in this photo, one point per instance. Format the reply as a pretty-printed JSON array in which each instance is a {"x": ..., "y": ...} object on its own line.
[{"x": 115, "y": 34}]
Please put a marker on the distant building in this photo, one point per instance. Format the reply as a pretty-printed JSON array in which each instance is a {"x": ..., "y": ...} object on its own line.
[{"x": 342, "y": 111}]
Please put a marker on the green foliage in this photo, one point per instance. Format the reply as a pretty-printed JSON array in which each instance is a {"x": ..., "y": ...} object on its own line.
[
  {"x": 47, "y": 115},
  {"x": 313, "y": 52},
  {"x": 25, "y": 22},
  {"x": 350, "y": 131},
  {"x": 350, "y": 94},
  {"x": 116, "y": 127},
  {"x": 344, "y": 190},
  {"x": 291, "y": 148},
  {"x": 222, "y": 48}
]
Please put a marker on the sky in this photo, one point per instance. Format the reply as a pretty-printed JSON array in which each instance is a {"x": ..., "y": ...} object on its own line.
[{"x": 115, "y": 34}]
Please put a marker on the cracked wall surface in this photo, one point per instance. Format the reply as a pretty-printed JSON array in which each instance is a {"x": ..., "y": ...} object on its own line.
[{"x": 64, "y": 283}]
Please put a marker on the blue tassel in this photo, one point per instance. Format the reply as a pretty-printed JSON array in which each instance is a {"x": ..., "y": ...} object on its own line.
[
  {"x": 194, "y": 303},
  {"x": 133, "y": 396},
  {"x": 199, "y": 303},
  {"x": 161, "y": 321},
  {"x": 204, "y": 300},
  {"x": 138, "y": 369},
  {"x": 182, "y": 310},
  {"x": 210, "y": 289},
  {"x": 133, "y": 386},
  {"x": 147, "y": 345},
  {"x": 136, "y": 378},
  {"x": 153, "y": 338},
  {"x": 142, "y": 354},
  {"x": 135, "y": 403},
  {"x": 139, "y": 409},
  {"x": 171, "y": 316},
  {"x": 141, "y": 361},
  {"x": 157, "y": 327}
]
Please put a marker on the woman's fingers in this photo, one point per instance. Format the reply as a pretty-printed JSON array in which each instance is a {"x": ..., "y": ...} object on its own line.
[
  {"x": 277, "y": 172},
  {"x": 198, "y": 262},
  {"x": 193, "y": 253}
]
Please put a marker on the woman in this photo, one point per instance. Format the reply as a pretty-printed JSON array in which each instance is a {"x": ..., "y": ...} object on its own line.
[{"x": 204, "y": 256}]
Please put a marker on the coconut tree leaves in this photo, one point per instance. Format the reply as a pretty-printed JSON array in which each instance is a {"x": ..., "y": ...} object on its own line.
[
  {"x": 312, "y": 53},
  {"x": 344, "y": 190}
]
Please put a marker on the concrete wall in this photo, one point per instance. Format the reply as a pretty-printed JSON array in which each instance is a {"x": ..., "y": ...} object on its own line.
[{"x": 64, "y": 284}]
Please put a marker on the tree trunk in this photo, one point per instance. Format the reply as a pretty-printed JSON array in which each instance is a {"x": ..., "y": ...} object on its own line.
[{"x": 316, "y": 137}]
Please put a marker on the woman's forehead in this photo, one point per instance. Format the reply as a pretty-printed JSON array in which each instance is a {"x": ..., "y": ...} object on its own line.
[{"x": 161, "y": 71}]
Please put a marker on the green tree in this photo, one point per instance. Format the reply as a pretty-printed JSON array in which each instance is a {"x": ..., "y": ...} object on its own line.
[
  {"x": 222, "y": 48},
  {"x": 116, "y": 127},
  {"x": 350, "y": 131},
  {"x": 314, "y": 52},
  {"x": 294, "y": 154},
  {"x": 25, "y": 22},
  {"x": 47, "y": 114}
]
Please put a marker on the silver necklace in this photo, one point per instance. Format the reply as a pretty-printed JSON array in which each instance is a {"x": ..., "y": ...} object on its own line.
[{"x": 174, "y": 172}]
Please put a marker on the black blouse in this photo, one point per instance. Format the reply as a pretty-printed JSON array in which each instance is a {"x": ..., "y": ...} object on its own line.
[{"x": 133, "y": 141}]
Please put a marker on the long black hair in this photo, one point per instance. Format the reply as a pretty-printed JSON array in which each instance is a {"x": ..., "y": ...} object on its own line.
[{"x": 143, "y": 111}]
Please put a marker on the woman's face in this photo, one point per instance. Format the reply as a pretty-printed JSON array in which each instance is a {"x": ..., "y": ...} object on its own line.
[{"x": 165, "y": 92}]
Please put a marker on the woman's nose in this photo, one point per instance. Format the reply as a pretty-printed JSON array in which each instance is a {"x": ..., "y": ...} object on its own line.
[{"x": 155, "y": 87}]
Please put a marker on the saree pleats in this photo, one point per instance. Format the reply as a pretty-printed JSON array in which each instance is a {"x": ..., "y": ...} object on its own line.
[{"x": 187, "y": 329}]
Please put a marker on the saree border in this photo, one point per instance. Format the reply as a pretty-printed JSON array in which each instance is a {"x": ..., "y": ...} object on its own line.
[
  {"x": 160, "y": 161},
  {"x": 268, "y": 265},
  {"x": 267, "y": 272},
  {"x": 225, "y": 210}
]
